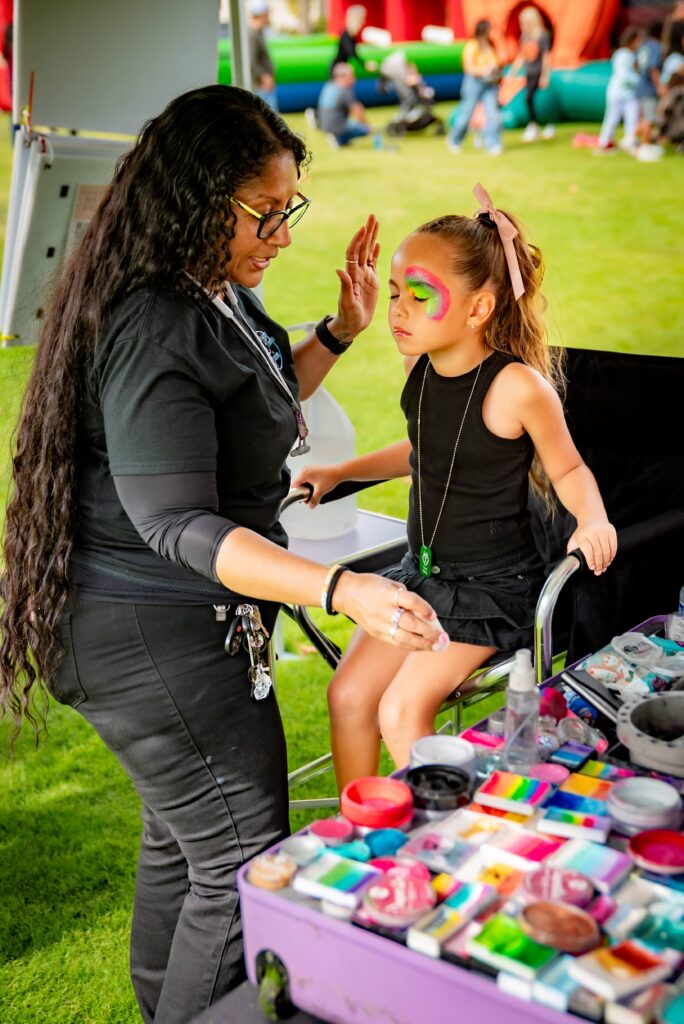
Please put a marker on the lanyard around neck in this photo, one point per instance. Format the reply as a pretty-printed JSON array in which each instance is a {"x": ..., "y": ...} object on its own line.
[{"x": 232, "y": 312}]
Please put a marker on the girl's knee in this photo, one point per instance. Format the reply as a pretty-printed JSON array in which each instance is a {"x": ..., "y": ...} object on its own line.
[
  {"x": 397, "y": 713},
  {"x": 346, "y": 696}
]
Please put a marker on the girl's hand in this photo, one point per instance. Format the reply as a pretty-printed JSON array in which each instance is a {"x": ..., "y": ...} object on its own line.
[
  {"x": 321, "y": 478},
  {"x": 389, "y": 612},
  {"x": 598, "y": 543},
  {"x": 358, "y": 284}
]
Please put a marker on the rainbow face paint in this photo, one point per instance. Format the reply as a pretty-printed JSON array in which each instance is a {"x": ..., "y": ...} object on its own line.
[
  {"x": 512, "y": 792},
  {"x": 428, "y": 288}
]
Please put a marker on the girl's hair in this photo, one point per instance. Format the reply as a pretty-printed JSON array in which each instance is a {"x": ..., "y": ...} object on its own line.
[
  {"x": 515, "y": 327},
  {"x": 166, "y": 213},
  {"x": 629, "y": 34},
  {"x": 482, "y": 29}
]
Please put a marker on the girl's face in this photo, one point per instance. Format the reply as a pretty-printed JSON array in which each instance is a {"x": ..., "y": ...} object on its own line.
[
  {"x": 430, "y": 310},
  {"x": 275, "y": 189}
]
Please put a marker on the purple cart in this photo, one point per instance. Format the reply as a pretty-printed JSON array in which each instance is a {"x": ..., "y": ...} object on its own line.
[{"x": 347, "y": 975}]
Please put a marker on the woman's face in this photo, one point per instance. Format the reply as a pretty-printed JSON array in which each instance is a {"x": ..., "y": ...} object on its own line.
[{"x": 275, "y": 189}]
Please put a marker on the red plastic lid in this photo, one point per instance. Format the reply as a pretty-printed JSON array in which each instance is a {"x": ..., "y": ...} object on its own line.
[
  {"x": 660, "y": 850},
  {"x": 377, "y": 802}
]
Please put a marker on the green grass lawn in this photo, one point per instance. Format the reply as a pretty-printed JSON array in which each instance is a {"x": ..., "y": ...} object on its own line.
[{"x": 611, "y": 230}]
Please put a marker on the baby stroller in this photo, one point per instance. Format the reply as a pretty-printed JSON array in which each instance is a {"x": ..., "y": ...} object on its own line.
[{"x": 415, "y": 97}]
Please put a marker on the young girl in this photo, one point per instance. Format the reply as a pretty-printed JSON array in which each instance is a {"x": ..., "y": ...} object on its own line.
[{"x": 483, "y": 412}]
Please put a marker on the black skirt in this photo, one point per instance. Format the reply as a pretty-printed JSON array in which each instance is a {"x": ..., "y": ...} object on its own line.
[{"x": 489, "y": 603}]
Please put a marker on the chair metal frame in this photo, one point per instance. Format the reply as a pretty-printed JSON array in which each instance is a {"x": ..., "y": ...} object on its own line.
[{"x": 488, "y": 680}]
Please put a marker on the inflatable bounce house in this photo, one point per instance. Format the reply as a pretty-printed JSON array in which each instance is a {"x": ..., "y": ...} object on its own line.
[{"x": 432, "y": 33}]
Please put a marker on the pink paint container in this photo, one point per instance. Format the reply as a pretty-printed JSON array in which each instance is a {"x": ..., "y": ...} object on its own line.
[
  {"x": 332, "y": 831},
  {"x": 377, "y": 802}
]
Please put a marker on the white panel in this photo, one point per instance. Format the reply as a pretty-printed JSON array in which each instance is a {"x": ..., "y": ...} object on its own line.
[
  {"x": 109, "y": 65},
  {"x": 50, "y": 206}
]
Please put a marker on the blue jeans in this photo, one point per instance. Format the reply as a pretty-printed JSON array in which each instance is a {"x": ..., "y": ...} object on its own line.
[
  {"x": 474, "y": 91},
  {"x": 354, "y": 130}
]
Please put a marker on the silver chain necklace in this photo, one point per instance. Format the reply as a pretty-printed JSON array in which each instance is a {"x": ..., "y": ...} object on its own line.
[{"x": 425, "y": 555}]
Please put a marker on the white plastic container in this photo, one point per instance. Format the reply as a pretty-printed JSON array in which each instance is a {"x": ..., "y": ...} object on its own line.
[{"x": 332, "y": 439}]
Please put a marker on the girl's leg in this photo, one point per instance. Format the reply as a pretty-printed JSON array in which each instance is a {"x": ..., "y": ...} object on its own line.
[
  {"x": 470, "y": 96},
  {"x": 531, "y": 90},
  {"x": 354, "y": 694},
  {"x": 611, "y": 120},
  {"x": 631, "y": 117},
  {"x": 410, "y": 703}
]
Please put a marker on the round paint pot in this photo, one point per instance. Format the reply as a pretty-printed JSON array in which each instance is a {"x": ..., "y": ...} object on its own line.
[
  {"x": 639, "y": 804},
  {"x": 572, "y": 730},
  {"x": 399, "y": 897},
  {"x": 377, "y": 802},
  {"x": 384, "y": 842},
  {"x": 332, "y": 831},
  {"x": 302, "y": 849},
  {"x": 335, "y": 910},
  {"x": 438, "y": 789},
  {"x": 659, "y": 850},
  {"x": 271, "y": 871},
  {"x": 451, "y": 750},
  {"x": 560, "y": 925},
  {"x": 553, "y": 773},
  {"x": 496, "y": 723},
  {"x": 559, "y": 885}
]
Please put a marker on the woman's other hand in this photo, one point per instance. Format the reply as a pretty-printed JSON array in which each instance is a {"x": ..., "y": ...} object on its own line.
[
  {"x": 389, "y": 612},
  {"x": 358, "y": 283},
  {"x": 598, "y": 543},
  {"x": 320, "y": 478}
]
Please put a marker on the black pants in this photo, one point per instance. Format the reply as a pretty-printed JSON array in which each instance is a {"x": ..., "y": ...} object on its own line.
[
  {"x": 209, "y": 764},
  {"x": 531, "y": 90}
]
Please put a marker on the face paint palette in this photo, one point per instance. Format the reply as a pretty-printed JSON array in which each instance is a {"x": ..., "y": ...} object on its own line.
[
  {"x": 555, "y": 984},
  {"x": 511, "y": 792},
  {"x": 503, "y": 944},
  {"x": 335, "y": 879},
  {"x": 617, "y": 972},
  {"x": 508, "y": 817},
  {"x": 470, "y": 827},
  {"x": 437, "y": 851},
  {"x": 586, "y": 786},
  {"x": 519, "y": 848},
  {"x": 574, "y": 825},
  {"x": 599, "y": 770},
  {"x": 572, "y": 755},
  {"x": 606, "y": 867}
]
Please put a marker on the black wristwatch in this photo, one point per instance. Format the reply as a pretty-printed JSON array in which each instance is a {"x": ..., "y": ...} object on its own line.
[{"x": 329, "y": 340}]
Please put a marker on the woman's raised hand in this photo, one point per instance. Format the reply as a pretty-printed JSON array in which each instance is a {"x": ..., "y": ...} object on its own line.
[
  {"x": 358, "y": 283},
  {"x": 390, "y": 612}
]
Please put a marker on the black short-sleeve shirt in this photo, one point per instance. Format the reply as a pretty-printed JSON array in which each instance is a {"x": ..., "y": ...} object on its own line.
[{"x": 172, "y": 387}]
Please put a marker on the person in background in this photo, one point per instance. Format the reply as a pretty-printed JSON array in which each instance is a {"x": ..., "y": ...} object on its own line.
[
  {"x": 649, "y": 60},
  {"x": 482, "y": 74},
  {"x": 670, "y": 113},
  {"x": 621, "y": 95},
  {"x": 340, "y": 115},
  {"x": 534, "y": 55},
  {"x": 354, "y": 21},
  {"x": 674, "y": 52},
  {"x": 263, "y": 70}
]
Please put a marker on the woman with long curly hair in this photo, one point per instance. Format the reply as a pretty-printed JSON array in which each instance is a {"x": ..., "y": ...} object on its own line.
[{"x": 148, "y": 472}]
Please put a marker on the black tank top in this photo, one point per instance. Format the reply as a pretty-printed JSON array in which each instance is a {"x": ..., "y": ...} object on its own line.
[{"x": 485, "y": 514}]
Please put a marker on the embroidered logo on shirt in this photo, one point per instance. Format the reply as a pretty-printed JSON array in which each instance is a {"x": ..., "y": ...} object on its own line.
[{"x": 272, "y": 348}]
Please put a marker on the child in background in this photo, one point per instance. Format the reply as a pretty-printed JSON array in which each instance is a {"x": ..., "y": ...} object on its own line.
[
  {"x": 670, "y": 113},
  {"x": 483, "y": 412},
  {"x": 621, "y": 95},
  {"x": 534, "y": 54}
]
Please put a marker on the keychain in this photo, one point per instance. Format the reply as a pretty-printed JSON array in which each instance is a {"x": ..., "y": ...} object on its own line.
[{"x": 248, "y": 631}]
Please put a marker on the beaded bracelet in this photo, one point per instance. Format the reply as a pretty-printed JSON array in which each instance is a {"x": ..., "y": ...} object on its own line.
[{"x": 329, "y": 585}]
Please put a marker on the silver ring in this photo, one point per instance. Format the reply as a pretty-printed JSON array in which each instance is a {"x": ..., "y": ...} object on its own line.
[
  {"x": 351, "y": 261},
  {"x": 396, "y": 617}
]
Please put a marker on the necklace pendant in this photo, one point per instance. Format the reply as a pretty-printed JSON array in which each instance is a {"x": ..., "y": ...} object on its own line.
[{"x": 425, "y": 560}]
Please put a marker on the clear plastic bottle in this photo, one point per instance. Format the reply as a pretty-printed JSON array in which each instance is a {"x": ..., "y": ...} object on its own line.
[
  {"x": 674, "y": 626},
  {"x": 522, "y": 715}
]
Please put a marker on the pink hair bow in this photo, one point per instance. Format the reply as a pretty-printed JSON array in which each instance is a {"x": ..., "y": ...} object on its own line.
[{"x": 507, "y": 233}]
